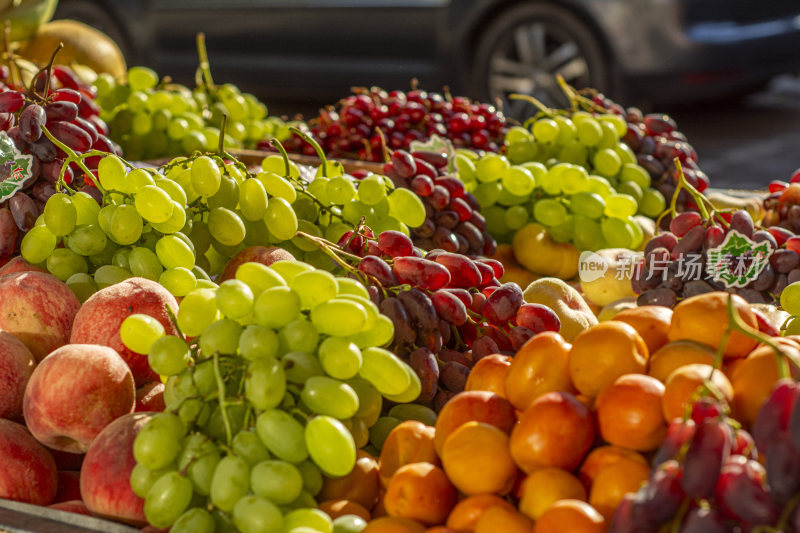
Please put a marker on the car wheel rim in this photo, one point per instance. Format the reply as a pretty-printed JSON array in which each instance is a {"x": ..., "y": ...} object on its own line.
[{"x": 527, "y": 60}]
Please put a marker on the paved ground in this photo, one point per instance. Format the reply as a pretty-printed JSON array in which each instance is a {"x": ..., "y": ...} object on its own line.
[{"x": 746, "y": 144}]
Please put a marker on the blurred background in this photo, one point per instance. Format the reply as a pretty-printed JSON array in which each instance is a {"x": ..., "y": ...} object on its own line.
[{"x": 724, "y": 69}]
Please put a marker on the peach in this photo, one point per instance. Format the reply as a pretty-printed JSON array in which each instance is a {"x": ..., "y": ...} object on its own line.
[
  {"x": 150, "y": 397},
  {"x": 18, "y": 264},
  {"x": 101, "y": 316},
  {"x": 266, "y": 255},
  {"x": 16, "y": 367},
  {"x": 71, "y": 506},
  {"x": 74, "y": 393},
  {"x": 28, "y": 473}
]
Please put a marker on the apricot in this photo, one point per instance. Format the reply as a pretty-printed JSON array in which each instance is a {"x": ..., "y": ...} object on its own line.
[
  {"x": 476, "y": 459},
  {"x": 489, "y": 374},
  {"x": 574, "y": 516},
  {"x": 543, "y": 487},
  {"x": 683, "y": 383},
  {"x": 337, "y": 508},
  {"x": 540, "y": 366},
  {"x": 629, "y": 413},
  {"x": 409, "y": 442},
  {"x": 422, "y": 492},
  {"x": 361, "y": 485},
  {"x": 602, "y": 457},
  {"x": 676, "y": 354},
  {"x": 503, "y": 519},
  {"x": 466, "y": 514},
  {"x": 753, "y": 379},
  {"x": 613, "y": 482},
  {"x": 651, "y": 322},
  {"x": 480, "y": 406}
]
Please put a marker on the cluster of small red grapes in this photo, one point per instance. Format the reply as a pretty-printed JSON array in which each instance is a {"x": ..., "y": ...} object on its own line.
[
  {"x": 448, "y": 310},
  {"x": 453, "y": 221},
  {"x": 782, "y": 204},
  {"x": 674, "y": 262},
  {"x": 656, "y": 140},
  {"x": 65, "y": 105},
  {"x": 707, "y": 476},
  {"x": 350, "y": 129}
]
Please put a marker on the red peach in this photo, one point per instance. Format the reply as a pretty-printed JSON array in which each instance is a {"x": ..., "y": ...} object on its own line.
[
  {"x": 28, "y": 472},
  {"x": 16, "y": 366}
]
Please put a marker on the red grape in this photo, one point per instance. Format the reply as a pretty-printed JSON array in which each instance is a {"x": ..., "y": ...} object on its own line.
[
  {"x": 683, "y": 222},
  {"x": 538, "y": 318},
  {"x": 454, "y": 376},
  {"x": 424, "y": 363},
  {"x": 8, "y": 232},
  {"x": 519, "y": 336},
  {"x": 11, "y": 101},
  {"x": 395, "y": 243},
  {"x": 61, "y": 111},
  {"x": 464, "y": 272},
  {"x": 379, "y": 269},
  {"x": 704, "y": 520},
  {"x": 503, "y": 303},
  {"x": 403, "y": 332},
  {"x": 421, "y": 272},
  {"x": 740, "y": 493},
  {"x": 660, "y": 498},
  {"x": 773, "y": 417},
  {"x": 31, "y": 121},
  {"x": 422, "y": 185},
  {"x": 71, "y": 135},
  {"x": 404, "y": 164},
  {"x": 707, "y": 452},
  {"x": 449, "y": 307}
]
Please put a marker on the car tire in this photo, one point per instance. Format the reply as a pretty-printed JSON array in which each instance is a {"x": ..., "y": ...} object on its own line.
[
  {"x": 96, "y": 15},
  {"x": 563, "y": 44}
]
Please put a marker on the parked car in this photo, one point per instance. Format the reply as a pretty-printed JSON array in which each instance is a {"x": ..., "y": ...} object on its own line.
[{"x": 315, "y": 50}]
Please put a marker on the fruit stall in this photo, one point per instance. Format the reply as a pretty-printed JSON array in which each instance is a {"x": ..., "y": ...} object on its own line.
[{"x": 406, "y": 314}]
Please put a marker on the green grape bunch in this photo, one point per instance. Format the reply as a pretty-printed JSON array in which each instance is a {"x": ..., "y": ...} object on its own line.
[{"x": 275, "y": 380}]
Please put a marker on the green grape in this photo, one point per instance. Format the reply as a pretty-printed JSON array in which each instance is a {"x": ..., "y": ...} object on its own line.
[
  {"x": 303, "y": 243},
  {"x": 586, "y": 233},
  {"x": 172, "y": 252},
  {"x": 790, "y": 299},
  {"x": 600, "y": 186},
  {"x": 86, "y": 208},
  {"x": 549, "y": 212},
  {"x": 370, "y": 308},
  {"x": 167, "y": 499},
  {"x": 518, "y": 181},
  {"x": 545, "y": 130},
  {"x": 588, "y": 204},
  {"x": 616, "y": 232},
  {"x": 407, "y": 207},
  {"x": 37, "y": 244},
  {"x": 339, "y": 317},
  {"x": 381, "y": 429},
  {"x": 195, "y": 520},
  {"x": 258, "y": 342},
  {"x": 104, "y": 218},
  {"x": 282, "y": 435},
  {"x": 168, "y": 355},
  {"x": 112, "y": 173},
  {"x": 121, "y": 258},
  {"x": 126, "y": 224},
  {"x": 277, "y": 481},
  {"x": 574, "y": 180},
  {"x": 636, "y": 230},
  {"x": 606, "y": 162},
  {"x": 64, "y": 263},
  {"x": 139, "y": 331},
  {"x": 621, "y": 206},
  {"x": 177, "y": 221},
  {"x": 331, "y": 397},
  {"x": 60, "y": 214},
  {"x": 252, "y": 199},
  {"x": 610, "y": 138},
  {"x": 384, "y": 370},
  {"x": 350, "y": 286},
  {"x": 141, "y": 78},
  {"x": 306, "y": 209},
  {"x": 253, "y": 514},
  {"x": 551, "y": 182},
  {"x": 200, "y": 273},
  {"x": 625, "y": 153},
  {"x": 136, "y": 179},
  {"x": 339, "y": 357},
  {"x": 508, "y": 199},
  {"x": 87, "y": 239},
  {"x": 265, "y": 382},
  {"x": 221, "y": 336},
  {"x": 288, "y": 269},
  {"x": 353, "y": 210},
  {"x": 234, "y": 298},
  {"x": 631, "y": 189},
  {"x": 277, "y": 186},
  {"x": 108, "y": 275},
  {"x": 563, "y": 232},
  {"x": 301, "y": 366},
  {"x": 491, "y": 167},
  {"x": 179, "y": 281},
  {"x": 197, "y": 311},
  {"x": 281, "y": 219},
  {"x": 230, "y": 483},
  {"x": 144, "y": 263},
  {"x": 298, "y": 336},
  {"x": 522, "y": 151},
  {"x": 105, "y": 256},
  {"x": 142, "y": 478},
  {"x": 517, "y": 134},
  {"x": 161, "y": 118},
  {"x": 82, "y": 285},
  {"x": 319, "y": 190},
  {"x": 413, "y": 411},
  {"x": 199, "y": 459},
  {"x": 516, "y": 217},
  {"x": 495, "y": 220},
  {"x": 574, "y": 152},
  {"x": 340, "y": 190},
  {"x": 275, "y": 307},
  {"x": 330, "y": 445},
  {"x": 348, "y": 523},
  {"x": 249, "y": 447},
  {"x": 142, "y": 124},
  {"x": 411, "y": 392},
  {"x": 370, "y": 400},
  {"x": 617, "y": 121},
  {"x": 332, "y": 168},
  {"x": 653, "y": 203},
  {"x": 635, "y": 173},
  {"x": 380, "y": 334},
  {"x": 566, "y": 130},
  {"x": 277, "y": 165},
  {"x": 153, "y": 204},
  {"x": 589, "y": 131},
  {"x": 259, "y": 277},
  {"x": 371, "y": 189},
  {"x": 488, "y": 193},
  {"x": 465, "y": 168},
  {"x": 193, "y": 141},
  {"x": 206, "y": 177},
  {"x": 312, "y": 477},
  {"x": 177, "y": 128},
  {"x": 226, "y": 226},
  {"x": 157, "y": 444},
  {"x": 314, "y": 287}
]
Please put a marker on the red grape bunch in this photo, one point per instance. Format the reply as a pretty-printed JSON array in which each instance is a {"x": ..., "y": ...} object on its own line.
[
  {"x": 782, "y": 204},
  {"x": 65, "y": 106},
  {"x": 350, "y": 129},
  {"x": 708, "y": 478},
  {"x": 448, "y": 310}
]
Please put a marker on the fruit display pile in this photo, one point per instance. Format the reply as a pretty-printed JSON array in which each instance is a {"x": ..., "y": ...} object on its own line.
[{"x": 535, "y": 328}]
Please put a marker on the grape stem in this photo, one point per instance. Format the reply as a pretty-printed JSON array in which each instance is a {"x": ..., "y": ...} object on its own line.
[
  {"x": 677, "y": 522},
  {"x": 315, "y": 145},
  {"x": 790, "y": 506},
  {"x": 221, "y": 145},
  {"x": 72, "y": 156},
  {"x": 221, "y": 398},
  {"x": 48, "y": 68},
  {"x": 533, "y": 101},
  {"x": 697, "y": 196},
  {"x": 204, "y": 67},
  {"x": 287, "y": 167}
]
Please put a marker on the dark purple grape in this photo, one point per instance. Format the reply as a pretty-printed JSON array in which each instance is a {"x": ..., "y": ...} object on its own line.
[
  {"x": 662, "y": 240},
  {"x": 420, "y": 309},
  {"x": 426, "y": 367},
  {"x": 484, "y": 346},
  {"x": 503, "y": 303},
  {"x": 454, "y": 376},
  {"x": 765, "y": 279},
  {"x": 690, "y": 243},
  {"x": 24, "y": 211},
  {"x": 6, "y": 121},
  {"x": 394, "y": 309},
  {"x": 783, "y": 469},
  {"x": 740, "y": 493},
  {"x": 8, "y": 232},
  {"x": 425, "y": 230},
  {"x": 781, "y": 282},
  {"x": 71, "y": 135},
  {"x": 762, "y": 235},
  {"x": 793, "y": 276},
  {"x": 442, "y": 397},
  {"x": 42, "y": 190},
  {"x": 519, "y": 336},
  {"x": 43, "y": 150},
  {"x": 664, "y": 297},
  {"x": 11, "y": 101},
  {"x": 444, "y": 238},
  {"x": 31, "y": 121},
  {"x": 660, "y": 498},
  {"x": 61, "y": 111},
  {"x": 477, "y": 239},
  {"x": 783, "y": 261},
  {"x": 622, "y": 522},
  {"x": 478, "y": 220},
  {"x": 707, "y": 452},
  {"x": 679, "y": 431},
  {"x": 705, "y": 520},
  {"x": 695, "y": 287},
  {"x": 742, "y": 222},
  {"x": 446, "y": 218}
]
